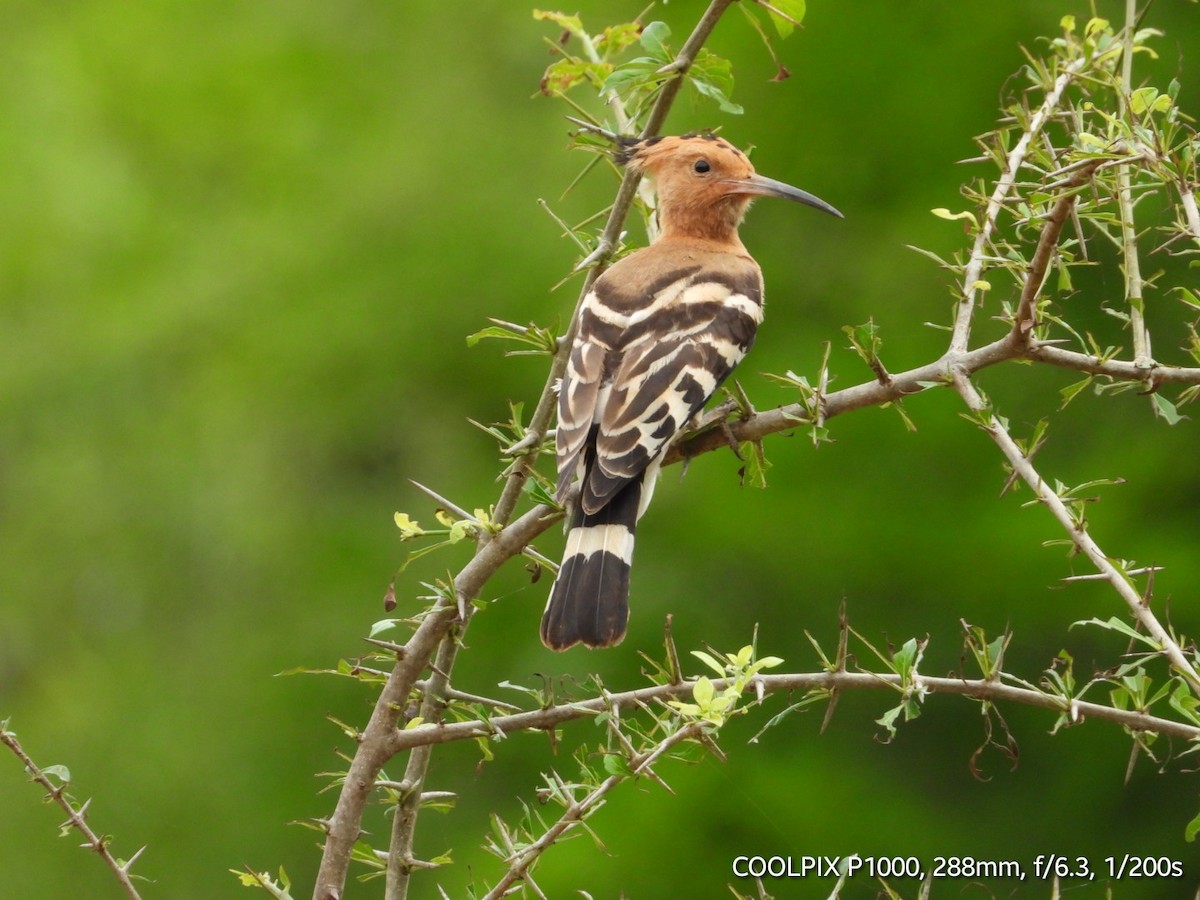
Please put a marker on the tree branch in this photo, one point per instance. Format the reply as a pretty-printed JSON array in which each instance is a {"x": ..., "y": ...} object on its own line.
[
  {"x": 1077, "y": 531},
  {"x": 76, "y": 817},
  {"x": 972, "y": 275},
  {"x": 579, "y": 810},
  {"x": 502, "y": 727}
]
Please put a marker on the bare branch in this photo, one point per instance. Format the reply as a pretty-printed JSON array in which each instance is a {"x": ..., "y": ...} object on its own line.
[
  {"x": 1129, "y": 248},
  {"x": 1026, "y": 318},
  {"x": 76, "y": 817}
]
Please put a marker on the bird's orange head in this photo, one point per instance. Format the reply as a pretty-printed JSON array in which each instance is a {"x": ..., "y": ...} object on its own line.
[{"x": 705, "y": 184}]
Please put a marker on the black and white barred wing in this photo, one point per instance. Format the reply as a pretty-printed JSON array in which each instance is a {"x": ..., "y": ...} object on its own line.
[{"x": 673, "y": 359}]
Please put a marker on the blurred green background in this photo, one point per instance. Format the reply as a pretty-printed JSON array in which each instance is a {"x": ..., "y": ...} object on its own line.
[{"x": 242, "y": 246}]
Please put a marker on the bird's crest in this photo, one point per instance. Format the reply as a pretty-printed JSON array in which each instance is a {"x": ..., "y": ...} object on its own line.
[{"x": 648, "y": 154}]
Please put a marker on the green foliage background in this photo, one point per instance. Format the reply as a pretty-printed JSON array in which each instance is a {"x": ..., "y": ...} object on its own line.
[{"x": 242, "y": 245}]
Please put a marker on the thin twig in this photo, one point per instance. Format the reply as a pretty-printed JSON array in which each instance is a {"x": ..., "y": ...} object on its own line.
[
  {"x": 76, "y": 817},
  {"x": 1077, "y": 532},
  {"x": 579, "y": 810},
  {"x": 1035, "y": 276},
  {"x": 973, "y": 273},
  {"x": 1129, "y": 248}
]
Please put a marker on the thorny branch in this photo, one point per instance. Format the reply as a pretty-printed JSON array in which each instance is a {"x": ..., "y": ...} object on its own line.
[
  {"x": 76, "y": 816},
  {"x": 1077, "y": 711},
  {"x": 973, "y": 273},
  {"x": 579, "y": 810}
]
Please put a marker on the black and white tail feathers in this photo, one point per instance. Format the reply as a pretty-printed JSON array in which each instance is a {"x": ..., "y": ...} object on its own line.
[{"x": 589, "y": 602}]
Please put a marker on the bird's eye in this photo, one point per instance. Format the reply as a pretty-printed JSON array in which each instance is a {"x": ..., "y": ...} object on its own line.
[{"x": 701, "y": 166}]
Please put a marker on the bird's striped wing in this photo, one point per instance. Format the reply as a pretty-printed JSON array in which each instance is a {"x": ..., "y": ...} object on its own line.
[
  {"x": 578, "y": 399},
  {"x": 672, "y": 359}
]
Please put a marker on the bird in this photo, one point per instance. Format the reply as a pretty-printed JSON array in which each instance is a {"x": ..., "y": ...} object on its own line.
[{"x": 658, "y": 333}]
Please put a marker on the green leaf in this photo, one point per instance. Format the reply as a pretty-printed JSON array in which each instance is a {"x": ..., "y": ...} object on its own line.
[
  {"x": 560, "y": 77},
  {"x": 888, "y": 719},
  {"x": 754, "y": 472},
  {"x": 942, "y": 213},
  {"x": 572, "y": 24},
  {"x": 712, "y": 76},
  {"x": 408, "y": 527},
  {"x": 1189, "y": 297},
  {"x": 908, "y": 657},
  {"x": 1142, "y": 99},
  {"x": 1192, "y": 828},
  {"x": 62, "y": 773},
  {"x": 1165, "y": 409},
  {"x": 614, "y": 764},
  {"x": 1071, "y": 391},
  {"x": 709, "y": 661},
  {"x": 616, "y": 38},
  {"x": 793, "y": 14},
  {"x": 1186, "y": 703},
  {"x": 377, "y": 628},
  {"x": 654, "y": 39},
  {"x": 712, "y": 92},
  {"x": 1064, "y": 279},
  {"x": 633, "y": 74},
  {"x": 1115, "y": 624}
]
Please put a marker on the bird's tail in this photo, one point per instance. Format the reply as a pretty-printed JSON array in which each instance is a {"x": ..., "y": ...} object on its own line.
[{"x": 589, "y": 602}]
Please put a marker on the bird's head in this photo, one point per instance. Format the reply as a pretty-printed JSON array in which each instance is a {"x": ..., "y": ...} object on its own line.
[{"x": 704, "y": 183}]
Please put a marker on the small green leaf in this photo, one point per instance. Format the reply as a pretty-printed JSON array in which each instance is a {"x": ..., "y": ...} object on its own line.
[
  {"x": 408, "y": 527},
  {"x": 615, "y": 764},
  {"x": 62, "y": 773},
  {"x": 1165, "y": 409},
  {"x": 793, "y": 14},
  {"x": 1124, "y": 628},
  {"x": 1193, "y": 827},
  {"x": 1095, "y": 26},
  {"x": 1189, "y": 297},
  {"x": 942, "y": 213},
  {"x": 616, "y": 38},
  {"x": 709, "y": 661},
  {"x": 1064, "y": 279},
  {"x": 712, "y": 92},
  {"x": 654, "y": 39},
  {"x": 754, "y": 472},
  {"x": 1071, "y": 391},
  {"x": 888, "y": 719},
  {"x": 572, "y": 24},
  {"x": 1143, "y": 99},
  {"x": 379, "y": 627}
]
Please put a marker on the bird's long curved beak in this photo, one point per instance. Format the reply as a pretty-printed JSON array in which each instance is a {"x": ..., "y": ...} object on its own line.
[{"x": 761, "y": 186}]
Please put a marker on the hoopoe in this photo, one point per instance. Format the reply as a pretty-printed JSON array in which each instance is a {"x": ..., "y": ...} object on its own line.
[{"x": 658, "y": 334}]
